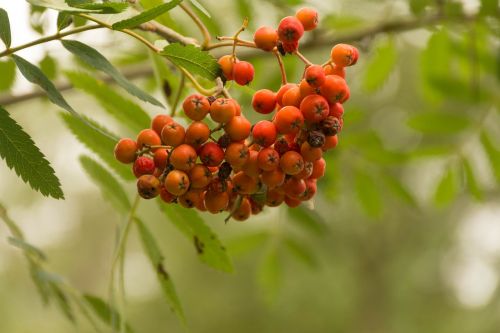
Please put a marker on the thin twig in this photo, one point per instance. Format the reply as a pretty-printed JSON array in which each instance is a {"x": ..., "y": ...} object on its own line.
[
  {"x": 178, "y": 95},
  {"x": 206, "y": 34},
  {"x": 281, "y": 65}
]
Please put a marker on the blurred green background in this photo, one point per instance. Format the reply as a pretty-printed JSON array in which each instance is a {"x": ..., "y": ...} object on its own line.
[{"x": 403, "y": 236}]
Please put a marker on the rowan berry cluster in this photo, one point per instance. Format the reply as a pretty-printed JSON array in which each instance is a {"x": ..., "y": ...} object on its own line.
[{"x": 240, "y": 167}]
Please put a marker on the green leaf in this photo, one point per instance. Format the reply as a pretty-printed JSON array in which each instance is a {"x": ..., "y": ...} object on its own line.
[
  {"x": 48, "y": 66},
  {"x": 64, "y": 20},
  {"x": 368, "y": 194},
  {"x": 493, "y": 154},
  {"x": 94, "y": 59},
  {"x": 100, "y": 144},
  {"x": 193, "y": 59},
  {"x": 61, "y": 5},
  {"x": 201, "y": 8},
  {"x": 210, "y": 250},
  {"x": 300, "y": 252},
  {"x": 20, "y": 153},
  {"x": 471, "y": 181},
  {"x": 122, "y": 109},
  {"x": 246, "y": 243},
  {"x": 103, "y": 8},
  {"x": 447, "y": 189},
  {"x": 105, "y": 312},
  {"x": 489, "y": 7},
  {"x": 5, "y": 28},
  {"x": 29, "y": 250},
  {"x": 307, "y": 219},
  {"x": 146, "y": 15},
  {"x": 156, "y": 258},
  {"x": 109, "y": 186},
  {"x": 63, "y": 301},
  {"x": 380, "y": 65},
  {"x": 270, "y": 275},
  {"x": 439, "y": 123},
  {"x": 8, "y": 70}
]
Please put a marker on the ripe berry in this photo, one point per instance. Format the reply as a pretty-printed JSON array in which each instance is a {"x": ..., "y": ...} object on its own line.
[
  {"x": 281, "y": 146},
  {"x": 266, "y": 38},
  {"x": 310, "y": 154},
  {"x": 177, "y": 182},
  {"x": 125, "y": 150},
  {"x": 292, "y": 202},
  {"x": 308, "y": 17},
  {"x": 274, "y": 197},
  {"x": 335, "y": 89},
  {"x": 332, "y": 69},
  {"x": 268, "y": 159},
  {"x": 173, "y": 134},
  {"x": 160, "y": 158},
  {"x": 264, "y": 133},
  {"x": 191, "y": 198},
  {"x": 222, "y": 110},
  {"x": 243, "y": 211},
  {"x": 237, "y": 154},
  {"x": 282, "y": 91},
  {"x": 336, "y": 110},
  {"x": 238, "y": 128},
  {"x": 314, "y": 108},
  {"x": 196, "y": 106},
  {"x": 292, "y": 97},
  {"x": 310, "y": 191},
  {"x": 243, "y": 73},
  {"x": 306, "y": 172},
  {"x": 211, "y": 154},
  {"x": 306, "y": 89},
  {"x": 237, "y": 107},
  {"x": 159, "y": 122},
  {"x": 273, "y": 178},
  {"x": 264, "y": 101},
  {"x": 216, "y": 202},
  {"x": 251, "y": 166},
  {"x": 291, "y": 163},
  {"x": 197, "y": 133},
  {"x": 183, "y": 157},
  {"x": 288, "y": 47},
  {"x": 227, "y": 63},
  {"x": 289, "y": 120},
  {"x": 318, "y": 170},
  {"x": 244, "y": 184},
  {"x": 148, "y": 137},
  {"x": 290, "y": 29},
  {"x": 344, "y": 55},
  {"x": 143, "y": 166},
  {"x": 148, "y": 186},
  {"x": 330, "y": 142},
  {"x": 315, "y": 76},
  {"x": 200, "y": 176},
  {"x": 166, "y": 196},
  {"x": 294, "y": 187}
]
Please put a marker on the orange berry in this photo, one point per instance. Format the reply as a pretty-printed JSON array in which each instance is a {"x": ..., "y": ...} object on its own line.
[
  {"x": 264, "y": 133},
  {"x": 310, "y": 191},
  {"x": 197, "y": 133},
  {"x": 237, "y": 154},
  {"x": 173, "y": 134},
  {"x": 196, "y": 106},
  {"x": 314, "y": 108},
  {"x": 336, "y": 110},
  {"x": 125, "y": 150},
  {"x": 166, "y": 196},
  {"x": 216, "y": 202},
  {"x": 294, "y": 187},
  {"x": 160, "y": 158},
  {"x": 148, "y": 137},
  {"x": 292, "y": 97},
  {"x": 315, "y": 76},
  {"x": 176, "y": 182},
  {"x": 227, "y": 63},
  {"x": 292, "y": 202},
  {"x": 266, "y": 38},
  {"x": 344, "y": 55},
  {"x": 222, "y": 110},
  {"x": 268, "y": 159},
  {"x": 330, "y": 142},
  {"x": 191, "y": 198},
  {"x": 282, "y": 91},
  {"x": 251, "y": 166},
  {"x": 243, "y": 211},
  {"x": 318, "y": 170},
  {"x": 291, "y": 163},
  {"x": 159, "y": 122},
  {"x": 244, "y": 184},
  {"x": 238, "y": 128},
  {"x": 332, "y": 69},
  {"x": 306, "y": 89},
  {"x": 274, "y": 197},
  {"x": 289, "y": 120},
  {"x": 148, "y": 186},
  {"x": 308, "y": 17},
  {"x": 335, "y": 89},
  {"x": 200, "y": 176},
  {"x": 273, "y": 178},
  {"x": 183, "y": 157},
  {"x": 264, "y": 101},
  {"x": 309, "y": 153},
  {"x": 306, "y": 172}
]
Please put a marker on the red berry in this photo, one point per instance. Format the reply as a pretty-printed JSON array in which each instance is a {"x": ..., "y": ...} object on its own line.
[
  {"x": 268, "y": 159},
  {"x": 227, "y": 63},
  {"x": 315, "y": 76},
  {"x": 160, "y": 158},
  {"x": 282, "y": 91},
  {"x": 290, "y": 29},
  {"x": 264, "y": 133},
  {"x": 243, "y": 73},
  {"x": 211, "y": 154},
  {"x": 335, "y": 89},
  {"x": 143, "y": 166},
  {"x": 125, "y": 151},
  {"x": 264, "y": 101},
  {"x": 289, "y": 120},
  {"x": 314, "y": 108}
]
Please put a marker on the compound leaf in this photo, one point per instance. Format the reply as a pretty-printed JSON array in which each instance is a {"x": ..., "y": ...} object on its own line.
[
  {"x": 5, "y": 27},
  {"x": 193, "y": 59},
  {"x": 146, "y": 15}
]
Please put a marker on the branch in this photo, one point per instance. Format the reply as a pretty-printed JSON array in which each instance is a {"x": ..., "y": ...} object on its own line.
[{"x": 170, "y": 35}]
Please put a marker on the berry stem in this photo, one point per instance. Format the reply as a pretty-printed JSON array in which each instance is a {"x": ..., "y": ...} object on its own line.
[
  {"x": 229, "y": 42},
  {"x": 303, "y": 58},
  {"x": 329, "y": 62},
  {"x": 203, "y": 28},
  {"x": 236, "y": 206},
  {"x": 281, "y": 65},
  {"x": 235, "y": 37},
  {"x": 179, "y": 94}
]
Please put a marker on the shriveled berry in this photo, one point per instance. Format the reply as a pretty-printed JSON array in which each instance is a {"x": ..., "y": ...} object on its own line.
[
  {"x": 225, "y": 170},
  {"x": 330, "y": 126},
  {"x": 224, "y": 140},
  {"x": 316, "y": 139}
]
